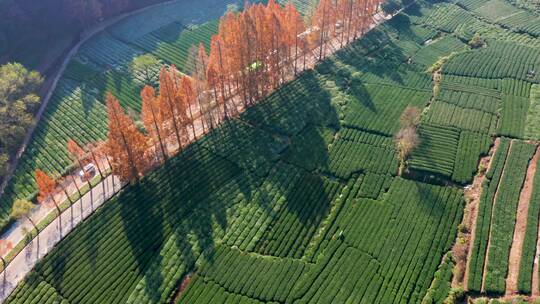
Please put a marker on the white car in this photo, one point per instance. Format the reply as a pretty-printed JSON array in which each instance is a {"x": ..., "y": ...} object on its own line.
[{"x": 88, "y": 171}]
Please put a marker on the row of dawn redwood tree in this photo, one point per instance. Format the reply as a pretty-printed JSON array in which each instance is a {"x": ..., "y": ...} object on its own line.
[{"x": 250, "y": 56}]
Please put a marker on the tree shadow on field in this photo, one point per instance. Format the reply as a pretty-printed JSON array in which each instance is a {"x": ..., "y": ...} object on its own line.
[
  {"x": 251, "y": 148},
  {"x": 288, "y": 110},
  {"x": 376, "y": 57},
  {"x": 88, "y": 100},
  {"x": 58, "y": 267},
  {"x": 431, "y": 199},
  {"x": 190, "y": 206},
  {"x": 362, "y": 94},
  {"x": 143, "y": 226},
  {"x": 427, "y": 143},
  {"x": 306, "y": 206},
  {"x": 415, "y": 9},
  {"x": 306, "y": 199}
]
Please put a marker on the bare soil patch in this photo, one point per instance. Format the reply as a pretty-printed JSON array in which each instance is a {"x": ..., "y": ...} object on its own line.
[{"x": 182, "y": 287}]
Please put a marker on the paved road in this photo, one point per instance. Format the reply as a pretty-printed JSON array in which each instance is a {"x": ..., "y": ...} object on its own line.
[{"x": 51, "y": 235}]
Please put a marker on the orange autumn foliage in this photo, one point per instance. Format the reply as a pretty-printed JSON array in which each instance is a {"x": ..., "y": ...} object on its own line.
[
  {"x": 152, "y": 120},
  {"x": 126, "y": 144},
  {"x": 74, "y": 149},
  {"x": 46, "y": 185}
]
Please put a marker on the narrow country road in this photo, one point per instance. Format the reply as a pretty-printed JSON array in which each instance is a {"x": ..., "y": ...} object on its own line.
[{"x": 47, "y": 238}]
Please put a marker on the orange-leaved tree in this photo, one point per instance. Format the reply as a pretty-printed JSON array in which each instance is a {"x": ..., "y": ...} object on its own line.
[
  {"x": 92, "y": 148},
  {"x": 294, "y": 28},
  {"x": 180, "y": 104},
  {"x": 47, "y": 188},
  {"x": 99, "y": 151},
  {"x": 126, "y": 144},
  {"x": 168, "y": 108},
  {"x": 151, "y": 117},
  {"x": 96, "y": 158},
  {"x": 201, "y": 88},
  {"x": 216, "y": 73},
  {"x": 78, "y": 154},
  {"x": 188, "y": 97},
  {"x": 322, "y": 23}
]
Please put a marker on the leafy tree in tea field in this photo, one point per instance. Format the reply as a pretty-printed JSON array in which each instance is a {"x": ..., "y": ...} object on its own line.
[
  {"x": 145, "y": 70},
  {"x": 407, "y": 139},
  {"x": 476, "y": 41}
]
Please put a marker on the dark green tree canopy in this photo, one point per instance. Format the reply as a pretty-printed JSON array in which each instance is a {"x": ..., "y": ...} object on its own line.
[{"x": 18, "y": 103}]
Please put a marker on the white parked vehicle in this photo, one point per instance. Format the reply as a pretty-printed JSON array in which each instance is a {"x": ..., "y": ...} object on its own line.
[{"x": 88, "y": 171}]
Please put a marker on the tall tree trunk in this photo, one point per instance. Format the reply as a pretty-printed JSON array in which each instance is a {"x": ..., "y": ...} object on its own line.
[
  {"x": 201, "y": 115},
  {"x": 323, "y": 30},
  {"x": 217, "y": 106},
  {"x": 200, "y": 95},
  {"x": 37, "y": 232},
  {"x": 173, "y": 116},
  {"x": 222, "y": 87},
  {"x": 4, "y": 264},
  {"x": 76, "y": 186},
  {"x": 32, "y": 222},
  {"x": 296, "y": 48},
  {"x": 343, "y": 20},
  {"x": 131, "y": 159},
  {"x": 110, "y": 166},
  {"x": 349, "y": 23},
  {"x": 192, "y": 121},
  {"x": 165, "y": 156},
  {"x": 103, "y": 182}
]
